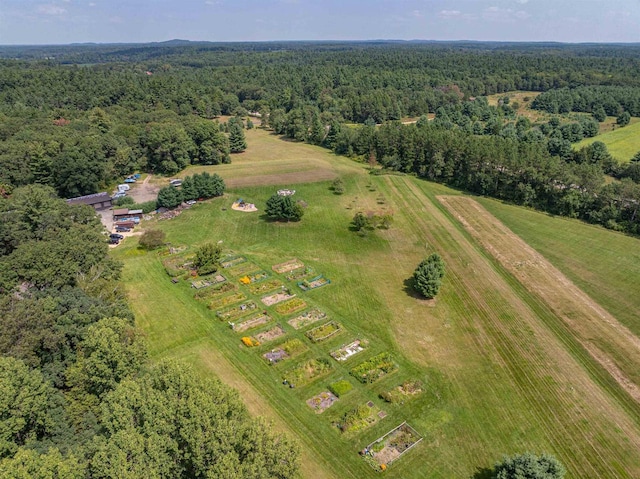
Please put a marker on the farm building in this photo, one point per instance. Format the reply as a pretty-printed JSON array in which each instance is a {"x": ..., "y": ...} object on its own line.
[
  {"x": 120, "y": 213},
  {"x": 99, "y": 201}
]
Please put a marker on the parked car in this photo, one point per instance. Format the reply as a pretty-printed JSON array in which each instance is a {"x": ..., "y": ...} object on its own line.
[
  {"x": 119, "y": 194},
  {"x": 114, "y": 241},
  {"x": 176, "y": 183},
  {"x": 116, "y": 236},
  {"x": 130, "y": 180},
  {"x": 136, "y": 176},
  {"x": 190, "y": 202},
  {"x": 124, "y": 187},
  {"x": 122, "y": 229}
]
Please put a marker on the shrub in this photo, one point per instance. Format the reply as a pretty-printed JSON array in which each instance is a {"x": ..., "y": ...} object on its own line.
[
  {"x": 340, "y": 388},
  {"x": 124, "y": 201},
  {"x": 169, "y": 197},
  {"x": 152, "y": 239},
  {"x": 207, "y": 258},
  {"x": 146, "y": 207}
]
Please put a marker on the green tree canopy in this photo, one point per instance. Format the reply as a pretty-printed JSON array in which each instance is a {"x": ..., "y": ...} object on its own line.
[
  {"x": 169, "y": 197},
  {"x": 207, "y": 258},
  {"x": 529, "y": 466},
  {"x": 428, "y": 276},
  {"x": 152, "y": 239},
  {"x": 283, "y": 208},
  {"x": 237, "y": 140}
]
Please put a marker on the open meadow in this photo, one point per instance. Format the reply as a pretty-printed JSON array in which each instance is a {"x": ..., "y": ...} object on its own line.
[
  {"x": 622, "y": 143},
  {"x": 492, "y": 366}
]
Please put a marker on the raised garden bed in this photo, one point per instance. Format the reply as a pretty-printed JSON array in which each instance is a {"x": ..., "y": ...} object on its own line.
[
  {"x": 270, "y": 334},
  {"x": 360, "y": 417},
  {"x": 266, "y": 286},
  {"x": 287, "y": 266},
  {"x": 286, "y": 350},
  {"x": 308, "y": 317},
  {"x": 348, "y": 350},
  {"x": 390, "y": 447},
  {"x": 321, "y": 402},
  {"x": 277, "y": 298},
  {"x": 232, "y": 261},
  {"x": 292, "y": 306},
  {"x": 313, "y": 283},
  {"x": 207, "y": 293},
  {"x": 323, "y": 332},
  {"x": 254, "y": 277},
  {"x": 375, "y": 368},
  {"x": 236, "y": 311},
  {"x": 244, "y": 269},
  {"x": 227, "y": 300},
  {"x": 299, "y": 274},
  {"x": 340, "y": 388},
  {"x": 208, "y": 281},
  {"x": 306, "y": 372},
  {"x": 252, "y": 322},
  {"x": 403, "y": 392}
]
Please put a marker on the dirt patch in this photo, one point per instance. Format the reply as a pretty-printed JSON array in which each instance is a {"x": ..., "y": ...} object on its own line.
[
  {"x": 145, "y": 191},
  {"x": 609, "y": 342}
]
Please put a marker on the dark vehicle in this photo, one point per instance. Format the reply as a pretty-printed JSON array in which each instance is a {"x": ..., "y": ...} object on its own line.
[
  {"x": 114, "y": 241},
  {"x": 116, "y": 236},
  {"x": 122, "y": 229}
]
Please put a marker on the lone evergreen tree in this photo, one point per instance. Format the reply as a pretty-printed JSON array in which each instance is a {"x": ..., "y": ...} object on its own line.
[
  {"x": 283, "y": 208},
  {"x": 529, "y": 466},
  {"x": 428, "y": 276},
  {"x": 237, "y": 141}
]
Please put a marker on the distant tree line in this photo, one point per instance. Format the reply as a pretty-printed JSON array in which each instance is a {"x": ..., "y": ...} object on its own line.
[{"x": 598, "y": 100}]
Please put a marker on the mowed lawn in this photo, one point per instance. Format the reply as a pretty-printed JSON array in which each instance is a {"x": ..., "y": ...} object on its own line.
[
  {"x": 498, "y": 378},
  {"x": 622, "y": 143}
]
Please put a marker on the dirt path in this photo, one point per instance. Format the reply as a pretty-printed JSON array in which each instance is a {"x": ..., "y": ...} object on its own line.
[
  {"x": 552, "y": 389},
  {"x": 610, "y": 343}
]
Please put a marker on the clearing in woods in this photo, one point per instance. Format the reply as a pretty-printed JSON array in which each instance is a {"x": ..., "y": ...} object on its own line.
[
  {"x": 622, "y": 143},
  {"x": 502, "y": 373}
]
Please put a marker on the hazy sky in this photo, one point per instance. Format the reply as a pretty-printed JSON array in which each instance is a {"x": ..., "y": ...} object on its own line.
[{"x": 67, "y": 21}]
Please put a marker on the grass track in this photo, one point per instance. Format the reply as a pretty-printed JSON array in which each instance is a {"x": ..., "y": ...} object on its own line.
[{"x": 503, "y": 376}]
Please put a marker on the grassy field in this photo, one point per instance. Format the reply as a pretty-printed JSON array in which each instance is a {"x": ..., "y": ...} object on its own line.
[
  {"x": 501, "y": 372},
  {"x": 623, "y": 143}
]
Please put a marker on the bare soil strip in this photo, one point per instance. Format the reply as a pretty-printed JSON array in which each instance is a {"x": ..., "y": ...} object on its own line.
[
  {"x": 609, "y": 342},
  {"x": 553, "y": 392}
]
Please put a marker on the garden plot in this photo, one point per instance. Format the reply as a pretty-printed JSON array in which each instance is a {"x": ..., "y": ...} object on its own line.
[
  {"x": 314, "y": 283},
  {"x": 375, "y": 368},
  {"x": 208, "y": 281},
  {"x": 299, "y": 274},
  {"x": 340, "y": 388},
  {"x": 348, "y": 350},
  {"x": 266, "y": 286},
  {"x": 288, "y": 266},
  {"x": 286, "y": 350},
  {"x": 309, "y": 317},
  {"x": 321, "y": 402},
  {"x": 324, "y": 332},
  {"x": 402, "y": 393},
  {"x": 227, "y": 300},
  {"x": 387, "y": 449},
  {"x": 270, "y": 334},
  {"x": 292, "y": 306},
  {"x": 236, "y": 311},
  {"x": 306, "y": 372},
  {"x": 360, "y": 418},
  {"x": 178, "y": 265},
  {"x": 205, "y": 294},
  {"x": 232, "y": 261},
  {"x": 244, "y": 269},
  {"x": 252, "y": 322},
  {"x": 277, "y": 298}
]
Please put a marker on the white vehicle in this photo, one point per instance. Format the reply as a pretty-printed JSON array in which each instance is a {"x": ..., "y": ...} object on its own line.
[
  {"x": 124, "y": 187},
  {"x": 176, "y": 182}
]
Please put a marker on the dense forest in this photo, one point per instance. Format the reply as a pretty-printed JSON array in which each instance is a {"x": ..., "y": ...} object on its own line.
[
  {"x": 79, "y": 398},
  {"x": 78, "y": 118}
]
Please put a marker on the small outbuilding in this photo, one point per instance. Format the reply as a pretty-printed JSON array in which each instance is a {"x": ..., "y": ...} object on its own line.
[{"x": 120, "y": 214}]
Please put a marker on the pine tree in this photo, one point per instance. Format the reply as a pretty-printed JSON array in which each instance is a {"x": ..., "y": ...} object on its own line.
[
  {"x": 428, "y": 276},
  {"x": 237, "y": 141}
]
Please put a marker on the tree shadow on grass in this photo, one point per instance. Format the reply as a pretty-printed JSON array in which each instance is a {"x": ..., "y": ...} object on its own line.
[
  {"x": 410, "y": 290},
  {"x": 483, "y": 473}
]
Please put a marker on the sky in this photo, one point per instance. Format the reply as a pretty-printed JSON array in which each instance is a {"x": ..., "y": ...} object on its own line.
[{"x": 124, "y": 21}]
